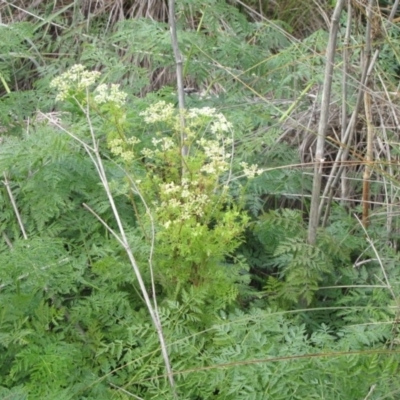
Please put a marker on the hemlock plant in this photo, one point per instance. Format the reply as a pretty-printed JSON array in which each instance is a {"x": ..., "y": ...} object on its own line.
[{"x": 246, "y": 307}]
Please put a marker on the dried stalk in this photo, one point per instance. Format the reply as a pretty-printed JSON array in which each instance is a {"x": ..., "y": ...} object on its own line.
[
  {"x": 323, "y": 122},
  {"x": 368, "y": 159},
  {"x": 126, "y": 392},
  {"x": 389, "y": 197},
  {"x": 368, "y": 119},
  {"x": 179, "y": 78},
  {"x": 371, "y": 390},
  {"x": 343, "y": 153},
  {"x": 344, "y": 182},
  {"x": 14, "y": 204},
  {"x": 394, "y": 10}
]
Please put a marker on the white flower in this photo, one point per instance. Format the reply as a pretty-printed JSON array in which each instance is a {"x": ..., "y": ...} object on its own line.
[
  {"x": 167, "y": 224},
  {"x": 155, "y": 141},
  {"x": 220, "y": 125},
  {"x": 167, "y": 143},
  {"x": 133, "y": 140},
  {"x": 148, "y": 152},
  {"x": 204, "y": 111},
  {"x": 250, "y": 171},
  {"x": 157, "y": 112},
  {"x": 118, "y": 147},
  {"x": 77, "y": 78},
  {"x": 113, "y": 94},
  {"x": 168, "y": 188},
  {"x": 208, "y": 169},
  {"x": 127, "y": 156}
]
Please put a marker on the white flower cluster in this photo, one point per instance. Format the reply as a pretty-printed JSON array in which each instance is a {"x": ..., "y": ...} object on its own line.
[
  {"x": 250, "y": 171},
  {"x": 118, "y": 148},
  {"x": 148, "y": 153},
  {"x": 204, "y": 111},
  {"x": 161, "y": 111},
  {"x": 166, "y": 143},
  {"x": 183, "y": 201},
  {"x": 219, "y": 122},
  {"x": 77, "y": 78},
  {"x": 220, "y": 125},
  {"x": 105, "y": 93},
  {"x": 216, "y": 156},
  {"x": 160, "y": 146}
]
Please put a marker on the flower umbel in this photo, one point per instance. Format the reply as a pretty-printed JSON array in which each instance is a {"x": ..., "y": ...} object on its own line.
[
  {"x": 161, "y": 111},
  {"x": 123, "y": 148},
  {"x": 251, "y": 171},
  {"x": 105, "y": 93},
  {"x": 76, "y": 79},
  {"x": 182, "y": 201}
]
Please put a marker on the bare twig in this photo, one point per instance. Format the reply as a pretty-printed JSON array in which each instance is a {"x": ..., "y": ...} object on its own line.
[
  {"x": 325, "y": 102},
  {"x": 125, "y": 391},
  {"x": 394, "y": 10},
  {"x": 104, "y": 223},
  {"x": 7, "y": 240},
  {"x": 179, "y": 78},
  {"x": 14, "y": 204},
  {"x": 368, "y": 117},
  {"x": 390, "y": 196},
  {"x": 152, "y": 244},
  {"x": 344, "y": 183},
  {"x": 371, "y": 390},
  {"x": 112, "y": 232}
]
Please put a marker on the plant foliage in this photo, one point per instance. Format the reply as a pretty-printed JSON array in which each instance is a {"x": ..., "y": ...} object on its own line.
[{"x": 213, "y": 200}]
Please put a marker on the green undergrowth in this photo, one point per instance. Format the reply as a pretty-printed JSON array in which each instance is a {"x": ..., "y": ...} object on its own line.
[{"x": 215, "y": 215}]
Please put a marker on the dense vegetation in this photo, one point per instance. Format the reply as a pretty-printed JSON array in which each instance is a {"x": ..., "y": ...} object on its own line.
[{"x": 155, "y": 252}]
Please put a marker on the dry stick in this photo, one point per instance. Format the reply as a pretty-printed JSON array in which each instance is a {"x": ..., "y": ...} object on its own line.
[
  {"x": 126, "y": 392},
  {"x": 390, "y": 198},
  {"x": 179, "y": 78},
  {"x": 344, "y": 183},
  {"x": 394, "y": 10},
  {"x": 371, "y": 390},
  {"x": 343, "y": 153},
  {"x": 152, "y": 246},
  {"x": 346, "y": 44},
  {"x": 123, "y": 239},
  {"x": 368, "y": 118},
  {"x": 7, "y": 240},
  {"x": 387, "y": 183},
  {"x": 323, "y": 122},
  {"x": 14, "y": 204},
  {"x": 368, "y": 159},
  {"x": 346, "y": 140}
]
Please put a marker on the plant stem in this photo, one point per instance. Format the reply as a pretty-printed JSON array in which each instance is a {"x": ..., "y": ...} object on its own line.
[
  {"x": 179, "y": 78},
  {"x": 323, "y": 122}
]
